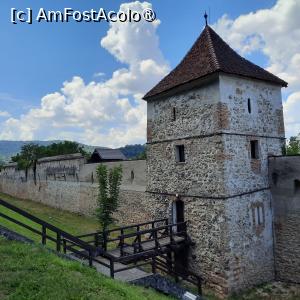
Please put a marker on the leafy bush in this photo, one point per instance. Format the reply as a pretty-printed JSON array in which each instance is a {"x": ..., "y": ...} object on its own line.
[
  {"x": 293, "y": 146},
  {"x": 108, "y": 197}
]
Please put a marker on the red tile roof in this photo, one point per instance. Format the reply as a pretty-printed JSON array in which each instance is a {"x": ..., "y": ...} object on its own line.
[{"x": 210, "y": 54}]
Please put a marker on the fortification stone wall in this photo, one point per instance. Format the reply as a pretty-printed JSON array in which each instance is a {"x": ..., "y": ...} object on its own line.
[
  {"x": 70, "y": 184},
  {"x": 285, "y": 186}
]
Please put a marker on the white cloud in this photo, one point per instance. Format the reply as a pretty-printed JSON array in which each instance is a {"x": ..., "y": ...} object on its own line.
[
  {"x": 99, "y": 74},
  {"x": 133, "y": 42},
  {"x": 291, "y": 109},
  {"x": 108, "y": 113},
  {"x": 275, "y": 32},
  {"x": 4, "y": 114}
]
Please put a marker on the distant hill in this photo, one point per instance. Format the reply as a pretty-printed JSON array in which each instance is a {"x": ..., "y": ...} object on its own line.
[
  {"x": 133, "y": 151},
  {"x": 11, "y": 148}
]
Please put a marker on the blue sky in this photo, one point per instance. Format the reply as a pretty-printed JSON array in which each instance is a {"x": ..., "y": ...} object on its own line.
[{"x": 37, "y": 59}]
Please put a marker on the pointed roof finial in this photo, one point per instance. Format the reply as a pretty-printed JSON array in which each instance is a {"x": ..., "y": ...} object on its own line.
[{"x": 205, "y": 17}]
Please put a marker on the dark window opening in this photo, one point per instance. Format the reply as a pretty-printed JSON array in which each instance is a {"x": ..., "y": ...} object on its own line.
[
  {"x": 178, "y": 214},
  {"x": 254, "y": 149},
  {"x": 275, "y": 178},
  {"x": 297, "y": 186},
  {"x": 180, "y": 154},
  {"x": 249, "y": 105},
  {"x": 259, "y": 215},
  {"x": 173, "y": 113}
]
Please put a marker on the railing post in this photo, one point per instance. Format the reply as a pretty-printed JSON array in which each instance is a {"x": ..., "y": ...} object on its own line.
[
  {"x": 58, "y": 241},
  {"x": 112, "y": 271},
  {"x": 139, "y": 241},
  {"x": 64, "y": 246},
  {"x": 185, "y": 229},
  {"x": 96, "y": 239},
  {"x": 44, "y": 235},
  {"x": 122, "y": 242},
  {"x": 171, "y": 234},
  {"x": 104, "y": 243},
  {"x": 155, "y": 239},
  {"x": 167, "y": 229},
  {"x": 90, "y": 258},
  {"x": 169, "y": 262},
  {"x": 153, "y": 265},
  {"x": 199, "y": 286}
]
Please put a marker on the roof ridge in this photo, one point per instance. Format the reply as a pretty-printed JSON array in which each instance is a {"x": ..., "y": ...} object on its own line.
[{"x": 212, "y": 48}]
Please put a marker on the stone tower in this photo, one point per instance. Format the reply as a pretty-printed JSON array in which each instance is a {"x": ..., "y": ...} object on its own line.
[{"x": 212, "y": 123}]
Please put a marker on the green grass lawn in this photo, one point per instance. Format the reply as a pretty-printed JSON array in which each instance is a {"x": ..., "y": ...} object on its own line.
[{"x": 32, "y": 272}]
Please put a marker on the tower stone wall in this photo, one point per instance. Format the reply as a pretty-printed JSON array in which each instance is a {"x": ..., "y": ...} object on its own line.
[{"x": 227, "y": 200}]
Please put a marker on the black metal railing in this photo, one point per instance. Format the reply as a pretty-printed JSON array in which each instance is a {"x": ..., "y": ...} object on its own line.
[
  {"x": 52, "y": 233},
  {"x": 150, "y": 243}
]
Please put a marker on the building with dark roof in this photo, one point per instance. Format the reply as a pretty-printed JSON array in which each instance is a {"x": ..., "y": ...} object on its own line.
[{"x": 106, "y": 154}]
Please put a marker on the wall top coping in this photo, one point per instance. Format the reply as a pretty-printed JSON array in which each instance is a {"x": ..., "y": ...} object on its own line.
[{"x": 10, "y": 165}]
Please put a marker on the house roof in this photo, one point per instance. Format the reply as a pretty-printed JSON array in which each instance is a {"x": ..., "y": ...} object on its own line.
[
  {"x": 61, "y": 157},
  {"x": 210, "y": 54},
  {"x": 109, "y": 154}
]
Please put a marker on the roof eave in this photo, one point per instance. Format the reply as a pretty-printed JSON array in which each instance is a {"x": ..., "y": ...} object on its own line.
[
  {"x": 203, "y": 80},
  {"x": 277, "y": 81},
  {"x": 183, "y": 86}
]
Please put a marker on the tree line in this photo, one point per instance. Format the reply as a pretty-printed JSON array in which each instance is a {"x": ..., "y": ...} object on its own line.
[{"x": 31, "y": 153}]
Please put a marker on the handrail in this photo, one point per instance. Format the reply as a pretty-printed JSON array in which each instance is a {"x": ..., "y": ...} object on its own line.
[
  {"x": 47, "y": 225},
  {"x": 135, "y": 225},
  {"x": 154, "y": 229}
]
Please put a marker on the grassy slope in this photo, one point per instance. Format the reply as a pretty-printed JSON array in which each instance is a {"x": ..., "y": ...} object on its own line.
[
  {"x": 32, "y": 272},
  {"x": 69, "y": 222},
  {"x": 76, "y": 224}
]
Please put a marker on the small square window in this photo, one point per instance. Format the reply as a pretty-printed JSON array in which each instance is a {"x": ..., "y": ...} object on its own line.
[
  {"x": 180, "y": 154},
  {"x": 254, "y": 149}
]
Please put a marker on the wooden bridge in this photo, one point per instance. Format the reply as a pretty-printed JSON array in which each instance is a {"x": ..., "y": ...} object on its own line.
[{"x": 158, "y": 244}]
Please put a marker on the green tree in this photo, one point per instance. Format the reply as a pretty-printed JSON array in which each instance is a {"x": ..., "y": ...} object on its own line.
[
  {"x": 30, "y": 153},
  {"x": 28, "y": 157},
  {"x": 293, "y": 146},
  {"x": 108, "y": 197},
  {"x": 62, "y": 148}
]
